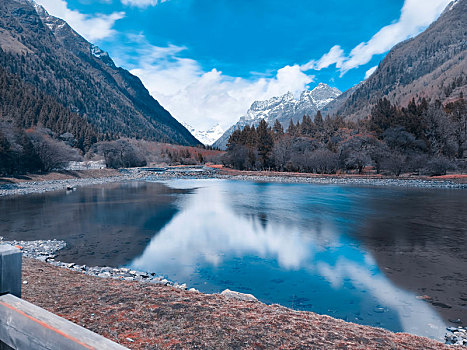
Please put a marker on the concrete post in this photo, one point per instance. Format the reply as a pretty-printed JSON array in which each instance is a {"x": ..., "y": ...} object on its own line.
[
  {"x": 10, "y": 270},
  {"x": 4, "y": 346}
]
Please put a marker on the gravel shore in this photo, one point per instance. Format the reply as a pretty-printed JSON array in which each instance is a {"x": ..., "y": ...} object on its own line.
[
  {"x": 16, "y": 189},
  {"x": 29, "y": 187},
  {"x": 409, "y": 183},
  {"x": 156, "y": 316}
]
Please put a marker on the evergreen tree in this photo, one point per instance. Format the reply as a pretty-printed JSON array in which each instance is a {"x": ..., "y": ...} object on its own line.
[
  {"x": 307, "y": 126},
  {"x": 382, "y": 117},
  {"x": 5, "y": 159},
  {"x": 291, "y": 129},
  {"x": 265, "y": 143},
  {"x": 278, "y": 130},
  {"x": 234, "y": 139},
  {"x": 319, "y": 124}
]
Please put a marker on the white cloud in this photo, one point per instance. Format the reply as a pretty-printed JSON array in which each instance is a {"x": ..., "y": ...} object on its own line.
[
  {"x": 205, "y": 98},
  {"x": 91, "y": 27},
  {"x": 415, "y": 16},
  {"x": 370, "y": 71},
  {"x": 142, "y": 3},
  {"x": 334, "y": 56}
]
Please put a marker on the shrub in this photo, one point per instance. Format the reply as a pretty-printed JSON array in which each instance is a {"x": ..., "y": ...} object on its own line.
[{"x": 438, "y": 166}]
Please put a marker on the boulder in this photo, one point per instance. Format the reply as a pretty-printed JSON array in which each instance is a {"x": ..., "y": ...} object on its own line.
[{"x": 230, "y": 294}]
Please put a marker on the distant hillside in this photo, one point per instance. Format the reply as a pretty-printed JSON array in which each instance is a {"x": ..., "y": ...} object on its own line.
[
  {"x": 25, "y": 106},
  {"x": 48, "y": 54},
  {"x": 432, "y": 65},
  {"x": 284, "y": 109}
]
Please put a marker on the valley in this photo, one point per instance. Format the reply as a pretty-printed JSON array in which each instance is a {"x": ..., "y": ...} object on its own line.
[{"x": 184, "y": 175}]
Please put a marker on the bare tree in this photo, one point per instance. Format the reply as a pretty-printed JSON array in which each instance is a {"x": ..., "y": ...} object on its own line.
[{"x": 53, "y": 154}]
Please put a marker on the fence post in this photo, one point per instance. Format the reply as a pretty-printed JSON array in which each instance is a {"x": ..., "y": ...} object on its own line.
[{"x": 10, "y": 270}]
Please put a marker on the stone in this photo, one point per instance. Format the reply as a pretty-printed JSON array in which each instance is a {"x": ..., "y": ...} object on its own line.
[
  {"x": 229, "y": 294},
  {"x": 457, "y": 321}
]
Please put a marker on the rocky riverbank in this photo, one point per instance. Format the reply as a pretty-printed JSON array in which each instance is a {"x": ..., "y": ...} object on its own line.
[
  {"x": 382, "y": 182},
  {"x": 45, "y": 251},
  {"x": 155, "y": 316},
  {"x": 11, "y": 188},
  {"x": 456, "y": 336},
  {"x": 22, "y": 188}
]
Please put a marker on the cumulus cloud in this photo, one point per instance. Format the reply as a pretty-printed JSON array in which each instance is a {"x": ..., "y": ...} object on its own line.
[
  {"x": 91, "y": 27},
  {"x": 334, "y": 56},
  {"x": 142, "y": 3},
  {"x": 370, "y": 71},
  {"x": 415, "y": 16},
  {"x": 204, "y": 98}
]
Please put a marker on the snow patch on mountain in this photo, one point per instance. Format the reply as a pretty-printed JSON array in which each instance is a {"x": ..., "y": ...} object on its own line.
[
  {"x": 283, "y": 108},
  {"x": 102, "y": 55}
]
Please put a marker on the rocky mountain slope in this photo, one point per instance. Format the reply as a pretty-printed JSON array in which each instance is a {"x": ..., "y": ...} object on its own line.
[
  {"x": 432, "y": 65},
  {"x": 48, "y": 54},
  {"x": 283, "y": 108}
]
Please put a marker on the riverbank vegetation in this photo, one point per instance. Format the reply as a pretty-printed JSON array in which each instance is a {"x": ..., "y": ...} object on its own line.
[{"x": 423, "y": 138}]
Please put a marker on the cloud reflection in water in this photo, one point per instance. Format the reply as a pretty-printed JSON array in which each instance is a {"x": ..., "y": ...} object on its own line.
[{"x": 213, "y": 232}]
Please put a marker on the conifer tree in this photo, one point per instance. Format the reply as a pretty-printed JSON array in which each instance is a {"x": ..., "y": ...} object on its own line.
[
  {"x": 265, "y": 143},
  {"x": 234, "y": 139},
  {"x": 307, "y": 126},
  {"x": 291, "y": 128},
  {"x": 278, "y": 130}
]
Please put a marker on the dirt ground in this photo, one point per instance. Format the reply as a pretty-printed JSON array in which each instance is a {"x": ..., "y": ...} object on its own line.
[{"x": 146, "y": 316}]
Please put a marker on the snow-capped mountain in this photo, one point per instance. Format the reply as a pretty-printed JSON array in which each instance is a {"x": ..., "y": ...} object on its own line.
[
  {"x": 283, "y": 108},
  {"x": 207, "y": 137}
]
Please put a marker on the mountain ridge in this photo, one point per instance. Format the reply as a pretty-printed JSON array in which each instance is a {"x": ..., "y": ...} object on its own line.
[
  {"x": 284, "y": 108},
  {"x": 430, "y": 65},
  {"x": 47, "y": 53}
]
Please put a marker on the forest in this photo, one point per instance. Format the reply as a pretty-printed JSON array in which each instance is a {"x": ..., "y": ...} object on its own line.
[{"x": 423, "y": 138}]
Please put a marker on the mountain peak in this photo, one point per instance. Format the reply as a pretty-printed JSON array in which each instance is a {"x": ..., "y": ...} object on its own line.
[
  {"x": 284, "y": 109},
  {"x": 321, "y": 95}
]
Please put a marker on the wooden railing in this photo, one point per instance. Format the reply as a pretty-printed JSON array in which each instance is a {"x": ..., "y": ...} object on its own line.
[{"x": 27, "y": 326}]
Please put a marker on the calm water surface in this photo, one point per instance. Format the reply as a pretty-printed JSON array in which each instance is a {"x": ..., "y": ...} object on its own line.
[{"x": 388, "y": 257}]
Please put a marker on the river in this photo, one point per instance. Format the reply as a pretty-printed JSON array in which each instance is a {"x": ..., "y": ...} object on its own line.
[{"x": 389, "y": 257}]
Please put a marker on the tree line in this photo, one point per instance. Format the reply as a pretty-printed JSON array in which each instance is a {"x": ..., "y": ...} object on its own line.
[
  {"x": 36, "y": 132},
  {"x": 422, "y": 138}
]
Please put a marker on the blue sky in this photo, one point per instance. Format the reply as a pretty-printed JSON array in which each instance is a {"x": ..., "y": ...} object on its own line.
[{"x": 206, "y": 61}]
